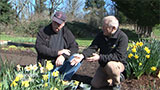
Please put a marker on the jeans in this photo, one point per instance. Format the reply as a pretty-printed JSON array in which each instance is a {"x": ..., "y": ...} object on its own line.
[{"x": 67, "y": 69}]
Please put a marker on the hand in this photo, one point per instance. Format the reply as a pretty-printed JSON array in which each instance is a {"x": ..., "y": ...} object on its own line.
[
  {"x": 64, "y": 51},
  {"x": 60, "y": 60},
  {"x": 77, "y": 58},
  {"x": 95, "y": 57}
]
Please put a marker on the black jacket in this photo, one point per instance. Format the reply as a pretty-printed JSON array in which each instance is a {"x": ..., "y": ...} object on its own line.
[
  {"x": 42, "y": 43},
  {"x": 110, "y": 49}
]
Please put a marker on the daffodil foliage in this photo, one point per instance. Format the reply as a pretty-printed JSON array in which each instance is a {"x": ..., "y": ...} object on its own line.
[
  {"x": 34, "y": 77},
  {"x": 143, "y": 58}
]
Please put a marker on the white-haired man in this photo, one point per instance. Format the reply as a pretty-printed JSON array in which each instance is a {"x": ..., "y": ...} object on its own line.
[{"x": 112, "y": 44}]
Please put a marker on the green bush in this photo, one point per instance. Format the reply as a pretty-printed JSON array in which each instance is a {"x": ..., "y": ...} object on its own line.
[
  {"x": 143, "y": 58},
  {"x": 156, "y": 30},
  {"x": 31, "y": 28}
]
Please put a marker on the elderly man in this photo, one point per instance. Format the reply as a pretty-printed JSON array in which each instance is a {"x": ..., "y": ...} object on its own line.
[
  {"x": 55, "y": 42},
  {"x": 112, "y": 44}
]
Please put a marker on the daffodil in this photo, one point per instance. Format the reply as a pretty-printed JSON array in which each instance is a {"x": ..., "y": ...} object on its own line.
[
  {"x": 134, "y": 50},
  {"x": 49, "y": 65},
  {"x": 76, "y": 83},
  {"x": 130, "y": 55},
  {"x": 18, "y": 77},
  {"x": 35, "y": 67},
  {"x": 147, "y": 49},
  {"x": 153, "y": 68},
  {"x": 40, "y": 65},
  {"x": 51, "y": 88},
  {"x": 18, "y": 67},
  {"x": 147, "y": 56},
  {"x": 42, "y": 69},
  {"x": 46, "y": 84},
  {"x": 28, "y": 68},
  {"x": 13, "y": 84},
  {"x": 65, "y": 82},
  {"x": 158, "y": 74},
  {"x": 136, "y": 56},
  {"x": 55, "y": 88},
  {"x": 141, "y": 44},
  {"x": 140, "y": 64},
  {"x": 55, "y": 74},
  {"x": 25, "y": 83},
  {"x": 137, "y": 43},
  {"x": 45, "y": 77}
]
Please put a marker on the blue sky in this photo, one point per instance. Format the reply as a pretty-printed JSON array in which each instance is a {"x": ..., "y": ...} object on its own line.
[{"x": 63, "y": 5}]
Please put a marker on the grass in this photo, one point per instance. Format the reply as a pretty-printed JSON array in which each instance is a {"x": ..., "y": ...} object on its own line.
[{"x": 83, "y": 42}]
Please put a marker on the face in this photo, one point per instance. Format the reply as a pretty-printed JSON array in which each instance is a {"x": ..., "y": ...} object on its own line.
[
  {"x": 56, "y": 26},
  {"x": 107, "y": 30}
]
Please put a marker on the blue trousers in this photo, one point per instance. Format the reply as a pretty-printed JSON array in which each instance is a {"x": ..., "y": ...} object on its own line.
[{"x": 67, "y": 69}]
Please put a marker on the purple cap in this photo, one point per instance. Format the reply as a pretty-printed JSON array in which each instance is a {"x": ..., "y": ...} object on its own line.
[{"x": 59, "y": 17}]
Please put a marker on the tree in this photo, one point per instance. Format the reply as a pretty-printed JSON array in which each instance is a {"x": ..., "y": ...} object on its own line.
[
  {"x": 73, "y": 9},
  {"x": 96, "y": 11},
  {"x": 144, "y": 13},
  {"x": 5, "y": 12}
]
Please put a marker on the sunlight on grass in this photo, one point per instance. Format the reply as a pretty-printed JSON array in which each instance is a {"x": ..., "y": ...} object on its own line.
[{"x": 17, "y": 39}]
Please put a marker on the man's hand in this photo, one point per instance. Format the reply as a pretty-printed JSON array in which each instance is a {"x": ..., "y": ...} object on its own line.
[
  {"x": 95, "y": 57},
  {"x": 60, "y": 60},
  {"x": 64, "y": 51},
  {"x": 77, "y": 58}
]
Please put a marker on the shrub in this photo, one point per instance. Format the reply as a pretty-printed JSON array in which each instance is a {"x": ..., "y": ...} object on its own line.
[{"x": 143, "y": 58}]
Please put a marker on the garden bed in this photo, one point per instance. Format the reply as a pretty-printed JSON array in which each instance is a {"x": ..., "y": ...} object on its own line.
[{"x": 86, "y": 71}]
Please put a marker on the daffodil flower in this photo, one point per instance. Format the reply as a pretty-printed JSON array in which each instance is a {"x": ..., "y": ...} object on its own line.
[
  {"x": 158, "y": 74},
  {"x": 13, "y": 84},
  {"x": 153, "y": 68},
  {"x": 147, "y": 56},
  {"x": 49, "y": 65},
  {"x": 140, "y": 64},
  {"x": 55, "y": 74},
  {"x": 25, "y": 83},
  {"x": 136, "y": 56},
  {"x": 45, "y": 77},
  {"x": 134, "y": 50}
]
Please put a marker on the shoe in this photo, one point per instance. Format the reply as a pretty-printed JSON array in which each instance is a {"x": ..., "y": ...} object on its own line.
[
  {"x": 122, "y": 78},
  {"x": 116, "y": 87}
]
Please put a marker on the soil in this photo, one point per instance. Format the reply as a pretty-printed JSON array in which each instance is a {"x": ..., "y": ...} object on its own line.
[{"x": 85, "y": 72}]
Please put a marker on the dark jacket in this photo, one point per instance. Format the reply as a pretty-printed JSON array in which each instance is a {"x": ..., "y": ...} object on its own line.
[
  {"x": 110, "y": 49},
  {"x": 42, "y": 43}
]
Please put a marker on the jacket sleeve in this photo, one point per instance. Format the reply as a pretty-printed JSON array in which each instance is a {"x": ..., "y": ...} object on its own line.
[
  {"x": 92, "y": 48},
  {"x": 72, "y": 45},
  {"x": 118, "y": 54},
  {"x": 41, "y": 45}
]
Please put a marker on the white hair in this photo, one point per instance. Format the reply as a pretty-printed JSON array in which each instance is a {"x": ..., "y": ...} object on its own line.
[{"x": 111, "y": 21}]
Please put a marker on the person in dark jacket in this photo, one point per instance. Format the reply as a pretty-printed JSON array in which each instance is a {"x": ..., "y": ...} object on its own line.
[
  {"x": 55, "y": 42},
  {"x": 112, "y": 45}
]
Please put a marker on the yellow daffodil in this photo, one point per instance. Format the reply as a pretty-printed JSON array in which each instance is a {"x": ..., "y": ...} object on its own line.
[
  {"x": 49, "y": 65},
  {"x": 148, "y": 51},
  {"x": 55, "y": 88},
  {"x": 65, "y": 82},
  {"x": 13, "y": 84},
  {"x": 18, "y": 77},
  {"x": 137, "y": 43},
  {"x": 153, "y": 68},
  {"x": 141, "y": 44},
  {"x": 130, "y": 55},
  {"x": 40, "y": 65},
  {"x": 25, "y": 83},
  {"x": 140, "y": 64},
  {"x": 134, "y": 50},
  {"x": 51, "y": 88},
  {"x": 146, "y": 48},
  {"x": 55, "y": 74},
  {"x": 158, "y": 74},
  {"x": 147, "y": 56},
  {"x": 136, "y": 56},
  {"x": 46, "y": 84},
  {"x": 45, "y": 77},
  {"x": 76, "y": 83}
]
